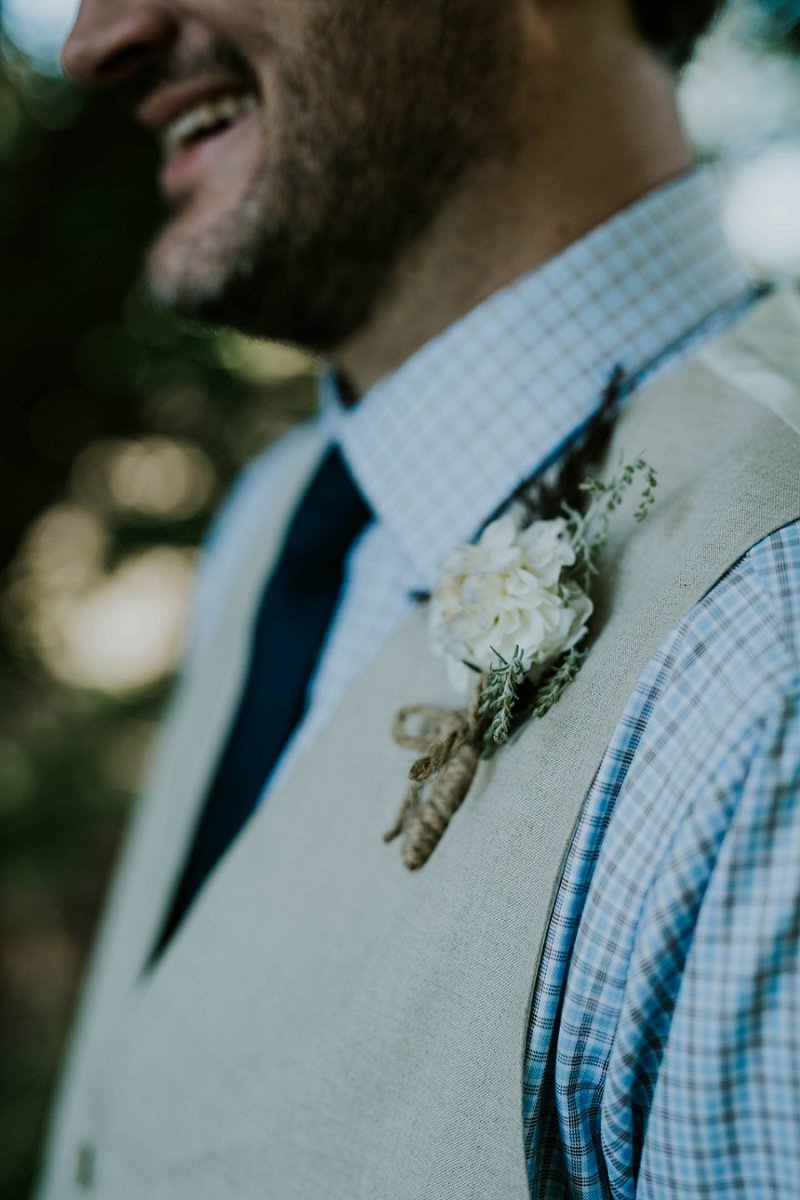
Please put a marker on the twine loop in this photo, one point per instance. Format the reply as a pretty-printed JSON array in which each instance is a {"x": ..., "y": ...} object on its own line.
[{"x": 449, "y": 749}]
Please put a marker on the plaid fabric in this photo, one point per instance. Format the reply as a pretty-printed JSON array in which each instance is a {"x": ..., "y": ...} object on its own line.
[{"x": 664, "y": 1048}]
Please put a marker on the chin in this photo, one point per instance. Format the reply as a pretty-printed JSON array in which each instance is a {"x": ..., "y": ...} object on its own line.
[
  {"x": 240, "y": 273},
  {"x": 184, "y": 281},
  {"x": 192, "y": 265}
]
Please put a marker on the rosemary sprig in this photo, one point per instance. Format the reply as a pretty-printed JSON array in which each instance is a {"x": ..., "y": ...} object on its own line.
[
  {"x": 557, "y": 679},
  {"x": 499, "y": 696}
]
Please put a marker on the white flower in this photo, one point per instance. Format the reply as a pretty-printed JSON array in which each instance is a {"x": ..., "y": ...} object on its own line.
[{"x": 506, "y": 591}]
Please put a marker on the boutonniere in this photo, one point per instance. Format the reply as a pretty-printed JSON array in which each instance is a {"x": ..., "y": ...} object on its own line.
[{"x": 509, "y": 616}]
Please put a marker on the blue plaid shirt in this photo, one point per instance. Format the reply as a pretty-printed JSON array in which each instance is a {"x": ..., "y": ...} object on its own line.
[{"x": 664, "y": 1047}]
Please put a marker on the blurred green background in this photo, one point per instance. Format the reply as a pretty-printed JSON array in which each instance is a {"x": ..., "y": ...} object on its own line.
[{"x": 120, "y": 431}]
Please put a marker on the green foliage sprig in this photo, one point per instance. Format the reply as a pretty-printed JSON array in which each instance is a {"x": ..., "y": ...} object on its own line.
[
  {"x": 588, "y": 531},
  {"x": 557, "y": 679},
  {"x": 499, "y": 697}
]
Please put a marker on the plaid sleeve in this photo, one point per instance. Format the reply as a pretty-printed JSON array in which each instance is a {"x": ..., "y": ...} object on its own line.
[
  {"x": 725, "y": 1116},
  {"x": 664, "y": 1047}
]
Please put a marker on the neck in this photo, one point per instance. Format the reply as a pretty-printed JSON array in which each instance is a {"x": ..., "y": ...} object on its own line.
[{"x": 608, "y": 148}]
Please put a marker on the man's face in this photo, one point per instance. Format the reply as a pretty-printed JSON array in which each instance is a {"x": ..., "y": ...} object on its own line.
[{"x": 307, "y": 143}]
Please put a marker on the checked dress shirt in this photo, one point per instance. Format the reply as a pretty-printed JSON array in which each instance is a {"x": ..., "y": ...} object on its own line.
[{"x": 663, "y": 1054}]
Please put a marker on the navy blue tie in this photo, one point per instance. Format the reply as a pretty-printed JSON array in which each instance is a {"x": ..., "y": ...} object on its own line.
[{"x": 295, "y": 612}]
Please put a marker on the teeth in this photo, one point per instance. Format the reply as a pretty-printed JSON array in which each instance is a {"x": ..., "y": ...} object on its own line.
[{"x": 207, "y": 115}]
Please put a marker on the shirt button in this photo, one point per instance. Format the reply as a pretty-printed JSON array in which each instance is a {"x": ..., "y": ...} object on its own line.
[{"x": 84, "y": 1171}]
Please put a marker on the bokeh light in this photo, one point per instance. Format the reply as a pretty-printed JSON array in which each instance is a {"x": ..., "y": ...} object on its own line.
[
  {"x": 115, "y": 630},
  {"x": 38, "y": 28},
  {"x": 762, "y": 213},
  {"x": 148, "y": 479},
  {"x": 125, "y": 631}
]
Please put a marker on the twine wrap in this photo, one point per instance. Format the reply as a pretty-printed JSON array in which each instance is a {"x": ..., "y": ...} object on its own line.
[{"x": 440, "y": 778}]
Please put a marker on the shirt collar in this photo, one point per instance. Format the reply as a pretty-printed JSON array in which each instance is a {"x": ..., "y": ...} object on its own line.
[{"x": 438, "y": 444}]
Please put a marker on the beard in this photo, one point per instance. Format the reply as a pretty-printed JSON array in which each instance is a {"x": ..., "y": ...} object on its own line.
[{"x": 384, "y": 113}]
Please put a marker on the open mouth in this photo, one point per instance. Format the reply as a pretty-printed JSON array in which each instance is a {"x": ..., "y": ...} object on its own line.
[
  {"x": 208, "y": 131},
  {"x": 204, "y": 120}
]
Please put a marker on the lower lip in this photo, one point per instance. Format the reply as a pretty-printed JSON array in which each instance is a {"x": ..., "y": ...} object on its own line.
[{"x": 184, "y": 169}]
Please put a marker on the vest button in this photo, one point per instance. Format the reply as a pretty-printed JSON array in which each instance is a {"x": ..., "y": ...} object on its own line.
[{"x": 85, "y": 1166}]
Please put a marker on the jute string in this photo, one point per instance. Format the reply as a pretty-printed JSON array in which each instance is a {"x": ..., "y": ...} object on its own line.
[{"x": 440, "y": 778}]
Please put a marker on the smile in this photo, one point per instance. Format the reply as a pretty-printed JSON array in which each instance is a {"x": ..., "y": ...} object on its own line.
[
  {"x": 204, "y": 119},
  {"x": 207, "y": 129}
]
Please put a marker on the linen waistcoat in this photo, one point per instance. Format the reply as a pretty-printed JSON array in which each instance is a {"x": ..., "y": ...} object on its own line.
[{"x": 325, "y": 1023}]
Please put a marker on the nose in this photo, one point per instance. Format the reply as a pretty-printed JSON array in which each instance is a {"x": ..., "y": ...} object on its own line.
[{"x": 111, "y": 39}]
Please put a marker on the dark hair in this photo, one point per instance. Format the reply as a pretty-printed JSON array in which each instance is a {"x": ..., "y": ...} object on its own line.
[{"x": 673, "y": 26}]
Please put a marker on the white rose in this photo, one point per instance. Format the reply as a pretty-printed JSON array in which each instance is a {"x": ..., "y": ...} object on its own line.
[{"x": 506, "y": 591}]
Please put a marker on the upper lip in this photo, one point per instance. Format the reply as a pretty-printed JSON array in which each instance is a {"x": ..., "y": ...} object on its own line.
[{"x": 171, "y": 100}]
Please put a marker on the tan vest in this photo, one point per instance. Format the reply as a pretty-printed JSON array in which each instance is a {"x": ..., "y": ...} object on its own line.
[{"x": 326, "y": 1024}]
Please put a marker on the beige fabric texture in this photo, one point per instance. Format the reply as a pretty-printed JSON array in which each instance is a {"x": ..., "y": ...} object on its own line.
[{"x": 326, "y": 1023}]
